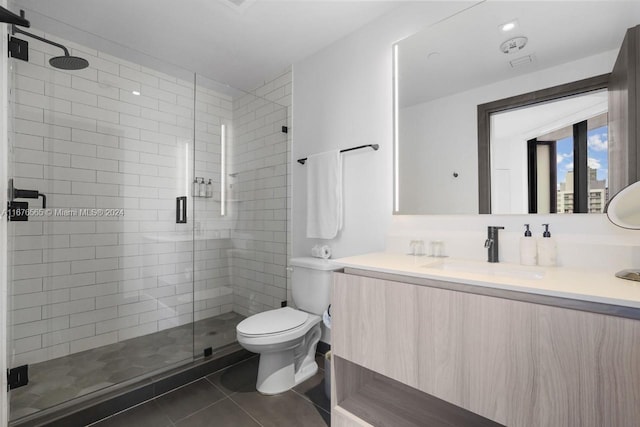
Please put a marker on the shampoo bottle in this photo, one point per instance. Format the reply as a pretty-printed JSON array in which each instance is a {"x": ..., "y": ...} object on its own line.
[
  {"x": 196, "y": 188},
  {"x": 547, "y": 250},
  {"x": 209, "y": 188},
  {"x": 203, "y": 188},
  {"x": 528, "y": 248}
]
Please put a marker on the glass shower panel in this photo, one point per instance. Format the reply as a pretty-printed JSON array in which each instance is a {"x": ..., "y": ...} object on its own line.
[
  {"x": 214, "y": 218},
  {"x": 241, "y": 230},
  {"x": 259, "y": 181},
  {"x": 101, "y": 288}
]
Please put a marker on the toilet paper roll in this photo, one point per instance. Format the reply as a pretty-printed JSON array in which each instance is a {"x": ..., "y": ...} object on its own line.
[
  {"x": 326, "y": 317},
  {"x": 325, "y": 252},
  {"x": 321, "y": 251}
]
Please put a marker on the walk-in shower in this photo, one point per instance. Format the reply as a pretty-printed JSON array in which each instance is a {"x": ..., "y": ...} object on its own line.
[{"x": 116, "y": 278}]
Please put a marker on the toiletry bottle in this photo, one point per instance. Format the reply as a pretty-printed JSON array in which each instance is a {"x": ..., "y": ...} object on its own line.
[
  {"x": 196, "y": 187},
  {"x": 203, "y": 188},
  {"x": 528, "y": 248},
  {"x": 209, "y": 188},
  {"x": 547, "y": 251}
]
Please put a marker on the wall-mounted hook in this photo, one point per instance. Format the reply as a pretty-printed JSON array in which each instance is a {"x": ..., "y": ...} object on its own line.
[{"x": 455, "y": 174}]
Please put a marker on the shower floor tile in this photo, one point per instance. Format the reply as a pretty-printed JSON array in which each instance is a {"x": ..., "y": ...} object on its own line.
[
  {"x": 58, "y": 380},
  {"x": 229, "y": 399}
]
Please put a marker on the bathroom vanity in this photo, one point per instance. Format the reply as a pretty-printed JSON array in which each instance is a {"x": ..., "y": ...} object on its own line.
[{"x": 418, "y": 341}]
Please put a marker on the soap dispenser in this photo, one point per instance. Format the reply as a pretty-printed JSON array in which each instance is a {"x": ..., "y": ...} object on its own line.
[
  {"x": 196, "y": 187},
  {"x": 210, "y": 188},
  {"x": 203, "y": 188},
  {"x": 547, "y": 250},
  {"x": 528, "y": 248}
]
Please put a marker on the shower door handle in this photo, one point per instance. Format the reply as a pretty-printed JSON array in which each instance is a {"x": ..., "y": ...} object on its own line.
[{"x": 181, "y": 210}]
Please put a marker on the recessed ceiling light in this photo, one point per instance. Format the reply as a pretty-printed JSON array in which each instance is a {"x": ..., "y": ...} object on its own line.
[
  {"x": 508, "y": 26},
  {"x": 135, "y": 92}
]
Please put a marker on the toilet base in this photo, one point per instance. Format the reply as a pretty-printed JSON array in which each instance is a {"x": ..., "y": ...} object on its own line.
[{"x": 280, "y": 371}]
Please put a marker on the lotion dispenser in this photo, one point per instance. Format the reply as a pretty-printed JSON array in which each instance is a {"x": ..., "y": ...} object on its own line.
[
  {"x": 547, "y": 250},
  {"x": 203, "y": 188},
  {"x": 528, "y": 248},
  {"x": 209, "y": 188}
]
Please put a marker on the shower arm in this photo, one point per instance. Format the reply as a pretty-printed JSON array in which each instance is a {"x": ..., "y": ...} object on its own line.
[{"x": 15, "y": 29}]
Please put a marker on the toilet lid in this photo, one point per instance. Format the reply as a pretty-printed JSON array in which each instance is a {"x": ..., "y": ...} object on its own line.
[{"x": 272, "y": 321}]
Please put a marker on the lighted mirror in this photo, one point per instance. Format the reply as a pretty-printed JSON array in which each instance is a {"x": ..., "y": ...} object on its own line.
[{"x": 444, "y": 73}]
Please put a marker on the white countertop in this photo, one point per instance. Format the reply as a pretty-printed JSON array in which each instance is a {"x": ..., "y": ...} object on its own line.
[{"x": 587, "y": 285}]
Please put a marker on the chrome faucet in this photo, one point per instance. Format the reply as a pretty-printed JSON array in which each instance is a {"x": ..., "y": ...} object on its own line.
[{"x": 491, "y": 244}]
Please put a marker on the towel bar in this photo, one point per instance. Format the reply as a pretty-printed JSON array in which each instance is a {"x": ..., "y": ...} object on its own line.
[{"x": 374, "y": 146}]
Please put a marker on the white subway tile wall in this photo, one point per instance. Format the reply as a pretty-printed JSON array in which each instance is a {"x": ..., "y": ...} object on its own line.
[
  {"x": 84, "y": 140},
  {"x": 261, "y": 184}
]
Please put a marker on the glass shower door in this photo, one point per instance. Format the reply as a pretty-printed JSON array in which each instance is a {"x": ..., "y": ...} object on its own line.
[
  {"x": 101, "y": 277},
  {"x": 241, "y": 228}
]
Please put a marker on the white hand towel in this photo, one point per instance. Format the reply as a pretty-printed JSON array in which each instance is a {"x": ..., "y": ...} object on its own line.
[{"x": 324, "y": 195}]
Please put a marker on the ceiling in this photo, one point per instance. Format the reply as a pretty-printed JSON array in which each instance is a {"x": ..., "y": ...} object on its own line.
[
  {"x": 539, "y": 120},
  {"x": 462, "y": 52},
  {"x": 240, "y": 47}
]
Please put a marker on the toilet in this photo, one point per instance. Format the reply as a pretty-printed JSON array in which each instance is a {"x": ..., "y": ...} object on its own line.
[{"x": 286, "y": 338}]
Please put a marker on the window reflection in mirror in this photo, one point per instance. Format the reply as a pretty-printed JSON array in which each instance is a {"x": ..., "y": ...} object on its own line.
[{"x": 543, "y": 162}]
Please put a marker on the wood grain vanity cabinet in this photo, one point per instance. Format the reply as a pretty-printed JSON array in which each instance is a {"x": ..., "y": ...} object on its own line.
[{"x": 407, "y": 352}]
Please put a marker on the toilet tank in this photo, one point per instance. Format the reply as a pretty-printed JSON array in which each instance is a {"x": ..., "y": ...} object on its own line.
[{"x": 311, "y": 283}]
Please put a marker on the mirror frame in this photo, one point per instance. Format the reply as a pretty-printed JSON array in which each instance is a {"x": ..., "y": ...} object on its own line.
[{"x": 527, "y": 99}]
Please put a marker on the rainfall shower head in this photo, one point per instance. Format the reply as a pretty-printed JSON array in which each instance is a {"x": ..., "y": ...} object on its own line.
[
  {"x": 68, "y": 62},
  {"x": 65, "y": 62}
]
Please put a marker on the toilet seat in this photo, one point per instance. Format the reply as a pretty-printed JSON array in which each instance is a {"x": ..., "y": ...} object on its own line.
[{"x": 272, "y": 322}]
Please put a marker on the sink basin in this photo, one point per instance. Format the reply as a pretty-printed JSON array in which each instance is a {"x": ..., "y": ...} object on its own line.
[{"x": 489, "y": 269}]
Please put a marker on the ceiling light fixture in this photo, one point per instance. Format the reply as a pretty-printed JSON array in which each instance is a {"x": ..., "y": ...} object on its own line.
[
  {"x": 508, "y": 26},
  {"x": 136, "y": 93}
]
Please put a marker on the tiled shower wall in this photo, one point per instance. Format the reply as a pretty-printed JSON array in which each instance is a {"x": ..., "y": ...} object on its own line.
[
  {"x": 86, "y": 141},
  {"x": 261, "y": 187},
  {"x": 212, "y": 231}
]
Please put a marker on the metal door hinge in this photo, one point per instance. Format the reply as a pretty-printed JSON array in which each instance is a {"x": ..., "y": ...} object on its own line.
[{"x": 17, "y": 377}]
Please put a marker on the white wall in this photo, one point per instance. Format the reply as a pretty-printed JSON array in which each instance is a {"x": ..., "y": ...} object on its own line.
[
  {"x": 342, "y": 98},
  {"x": 587, "y": 241},
  {"x": 438, "y": 139}
]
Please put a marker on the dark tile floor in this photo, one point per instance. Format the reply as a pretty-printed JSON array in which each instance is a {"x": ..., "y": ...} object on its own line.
[
  {"x": 228, "y": 398},
  {"x": 58, "y": 380}
]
